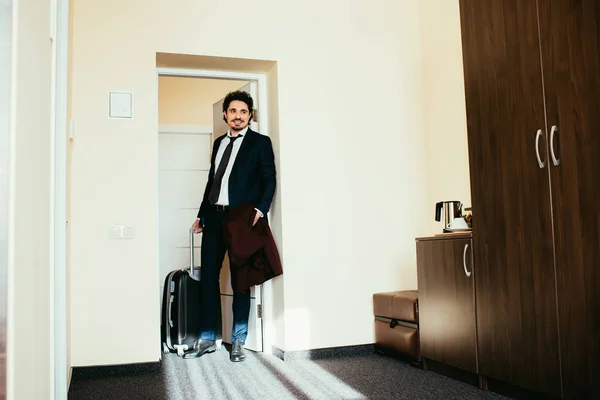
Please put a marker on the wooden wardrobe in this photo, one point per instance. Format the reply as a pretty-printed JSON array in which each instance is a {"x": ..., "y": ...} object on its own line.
[{"x": 532, "y": 80}]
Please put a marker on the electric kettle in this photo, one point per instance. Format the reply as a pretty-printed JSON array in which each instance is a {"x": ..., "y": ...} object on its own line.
[{"x": 450, "y": 210}]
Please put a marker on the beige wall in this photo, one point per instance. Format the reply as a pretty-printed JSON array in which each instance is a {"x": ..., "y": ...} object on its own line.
[
  {"x": 444, "y": 106},
  {"x": 352, "y": 162},
  {"x": 189, "y": 101},
  {"x": 29, "y": 339}
]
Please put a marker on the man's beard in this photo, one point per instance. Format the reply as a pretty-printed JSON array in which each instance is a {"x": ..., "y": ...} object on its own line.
[{"x": 238, "y": 125}]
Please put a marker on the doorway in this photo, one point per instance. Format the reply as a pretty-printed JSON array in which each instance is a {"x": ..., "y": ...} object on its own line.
[{"x": 190, "y": 119}]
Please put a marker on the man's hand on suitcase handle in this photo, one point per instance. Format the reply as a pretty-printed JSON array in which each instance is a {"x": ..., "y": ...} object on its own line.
[{"x": 196, "y": 226}]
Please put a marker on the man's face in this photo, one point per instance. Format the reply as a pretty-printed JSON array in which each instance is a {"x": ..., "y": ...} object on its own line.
[{"x": 237, "y": 115}]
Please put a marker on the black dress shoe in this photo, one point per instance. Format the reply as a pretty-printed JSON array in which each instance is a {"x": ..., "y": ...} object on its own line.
[
  {"x": 237, "y": 352},
  {"x": 201, "y": 347}
]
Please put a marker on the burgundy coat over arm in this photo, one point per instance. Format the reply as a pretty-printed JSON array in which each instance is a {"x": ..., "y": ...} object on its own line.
[{"x": 253, "y": 254}]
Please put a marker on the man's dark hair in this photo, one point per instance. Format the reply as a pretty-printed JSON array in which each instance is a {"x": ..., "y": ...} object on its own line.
[{"x": 240, "y": 96}]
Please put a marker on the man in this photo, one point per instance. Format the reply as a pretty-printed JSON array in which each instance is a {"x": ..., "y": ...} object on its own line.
[{"x": 242, "y": 171}]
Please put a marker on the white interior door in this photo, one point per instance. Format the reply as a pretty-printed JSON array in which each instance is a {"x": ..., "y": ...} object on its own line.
[
  {"x": 254, "y": 340},
  {"x": 184, "y": 162}
]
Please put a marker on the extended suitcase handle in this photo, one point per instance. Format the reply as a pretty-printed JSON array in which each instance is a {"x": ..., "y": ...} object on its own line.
[
  {"x": 192, "y": 249},
  {"x": 191, "y": 269}
]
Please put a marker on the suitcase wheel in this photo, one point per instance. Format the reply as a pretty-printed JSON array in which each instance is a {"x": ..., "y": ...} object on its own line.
[{"x": 181, "y": 349}]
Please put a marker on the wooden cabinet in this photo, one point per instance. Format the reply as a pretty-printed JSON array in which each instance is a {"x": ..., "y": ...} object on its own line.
[
  {"x": 447, "y": 301},
  {"x": 512, "y": 219},
  {"x": 570, "y": 38},
  {"x": 532, "y": 84}
]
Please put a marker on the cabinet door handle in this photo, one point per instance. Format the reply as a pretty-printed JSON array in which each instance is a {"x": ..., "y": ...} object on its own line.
[
  {"x": 467, "y": 273},
  {"x": 537, "y": 148},
  {"x": 555, "y": 160}
]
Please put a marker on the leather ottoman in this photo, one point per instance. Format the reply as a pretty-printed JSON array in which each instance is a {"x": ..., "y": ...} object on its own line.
[{"x": 397, "y": 324}]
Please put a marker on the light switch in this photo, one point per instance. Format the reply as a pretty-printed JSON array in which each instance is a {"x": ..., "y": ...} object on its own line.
[
  {"x": 120, "y": 105},
  {"x": 115, "y": 232},
  {"x": 121, "y": 232},
  {"x": 127, "y": 232}
]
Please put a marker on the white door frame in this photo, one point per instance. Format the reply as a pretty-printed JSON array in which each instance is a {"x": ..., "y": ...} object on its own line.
[
  {"x": 59, "y": 33},
  {"x": 262, "y": 107}
]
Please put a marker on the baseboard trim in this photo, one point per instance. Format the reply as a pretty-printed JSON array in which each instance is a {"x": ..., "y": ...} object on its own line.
[
  {"x": 457, "y": 374},
  {"x": 104, "y": 371},
  {"x": 516, "y": 392},
  {"x": 324, "y": 353}
]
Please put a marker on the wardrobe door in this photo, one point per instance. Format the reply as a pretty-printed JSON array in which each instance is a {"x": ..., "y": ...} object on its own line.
[
  {"x": 512, "y": 223},
  {"x": 570, "y": 33}
]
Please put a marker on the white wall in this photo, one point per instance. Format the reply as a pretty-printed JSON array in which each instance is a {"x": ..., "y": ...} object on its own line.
[
  {"x": 69, "y": 177},
  {"x": 29, "y": 338},
  {"x": 444, "y": 106},
  {"x": 351, "y": 168}
]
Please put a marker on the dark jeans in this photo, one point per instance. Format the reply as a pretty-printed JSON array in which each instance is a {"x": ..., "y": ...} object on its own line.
[{"x": 213, "y": 251}]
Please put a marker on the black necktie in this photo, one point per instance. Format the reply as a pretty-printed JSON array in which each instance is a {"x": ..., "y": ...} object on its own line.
[{"x": 213, "y": 196}]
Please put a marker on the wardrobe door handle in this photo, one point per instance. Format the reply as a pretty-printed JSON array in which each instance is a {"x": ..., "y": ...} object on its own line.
[
  {"x": 467, "y": 273},
  {"x": 555, "y": 160},
  {"x": 537, "y": 148}
]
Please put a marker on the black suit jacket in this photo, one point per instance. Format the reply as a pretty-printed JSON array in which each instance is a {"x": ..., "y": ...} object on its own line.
[{"x": 252, "y": 178}]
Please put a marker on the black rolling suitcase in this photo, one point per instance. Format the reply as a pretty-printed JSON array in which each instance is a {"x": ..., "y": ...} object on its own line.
[{"x": 181, "y": 307}]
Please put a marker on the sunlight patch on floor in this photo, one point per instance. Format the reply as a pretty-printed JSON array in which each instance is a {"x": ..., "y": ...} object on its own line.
[
  {"x": 326, "y": 380},
  {"x": 260, "y": 377}
]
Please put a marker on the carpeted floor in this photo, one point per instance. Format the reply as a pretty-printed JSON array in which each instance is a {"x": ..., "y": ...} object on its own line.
[{"x": 263, "y": 377}]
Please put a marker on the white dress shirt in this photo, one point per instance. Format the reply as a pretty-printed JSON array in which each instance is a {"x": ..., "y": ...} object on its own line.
[{"x": 224, "y": 193}]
